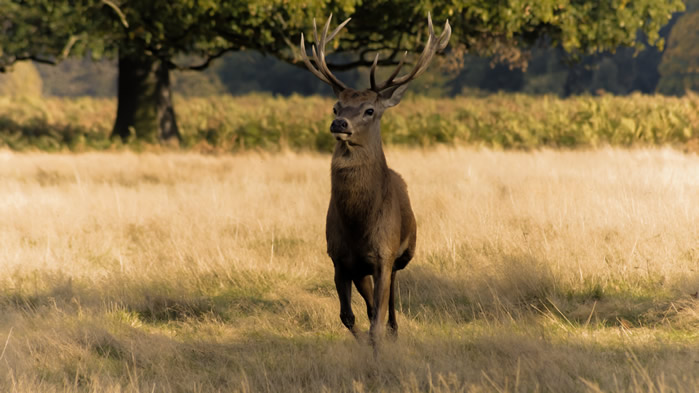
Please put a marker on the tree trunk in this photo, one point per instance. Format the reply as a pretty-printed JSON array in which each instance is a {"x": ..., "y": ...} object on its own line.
[{"x": 144, "y": 107}]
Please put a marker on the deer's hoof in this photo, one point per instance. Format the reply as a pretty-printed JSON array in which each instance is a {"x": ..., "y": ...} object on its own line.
[{"x": 362, "y": 337}]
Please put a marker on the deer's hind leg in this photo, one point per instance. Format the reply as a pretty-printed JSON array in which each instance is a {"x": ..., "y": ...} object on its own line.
[
  {"x": 365, "y": 287},
  {"x": 392, "y": 324}
]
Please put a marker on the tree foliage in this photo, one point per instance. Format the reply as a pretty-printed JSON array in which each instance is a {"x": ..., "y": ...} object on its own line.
[
  {"x": 680, "y": 65},
  {"x": 50, "y": 30}
]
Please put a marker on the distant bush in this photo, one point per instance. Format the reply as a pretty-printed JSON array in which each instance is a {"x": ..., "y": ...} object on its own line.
[{"x": 260, "y": 122}]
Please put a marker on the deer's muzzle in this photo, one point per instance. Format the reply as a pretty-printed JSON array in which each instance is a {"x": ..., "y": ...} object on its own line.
[{"x": 339, "y": 126}]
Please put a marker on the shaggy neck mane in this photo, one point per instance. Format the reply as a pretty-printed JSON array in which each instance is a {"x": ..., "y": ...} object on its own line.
[{"x": 359, "y": 176}]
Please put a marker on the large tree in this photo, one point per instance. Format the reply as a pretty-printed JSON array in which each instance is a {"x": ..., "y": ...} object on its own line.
[
  {"x": 150, "y": 38},
  {"x": 679, "y": 69}
]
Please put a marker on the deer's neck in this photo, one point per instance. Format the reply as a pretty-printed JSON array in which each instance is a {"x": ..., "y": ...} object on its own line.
[{"x": 359, "y": 179}]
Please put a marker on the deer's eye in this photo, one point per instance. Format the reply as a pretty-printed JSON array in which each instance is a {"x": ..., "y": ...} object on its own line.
[
  {"x": 369, "y": 112},
  {"x": 335, "y": 111}
]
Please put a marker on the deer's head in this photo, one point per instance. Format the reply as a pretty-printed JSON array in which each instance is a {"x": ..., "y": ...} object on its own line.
[{"x": 358, "y": 113}]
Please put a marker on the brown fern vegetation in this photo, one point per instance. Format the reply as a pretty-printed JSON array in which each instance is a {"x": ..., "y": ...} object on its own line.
[{"x": 266, "y": 123}]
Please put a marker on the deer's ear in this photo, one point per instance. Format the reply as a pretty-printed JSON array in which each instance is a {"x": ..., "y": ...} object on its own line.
[{"x": 391, "y": 96}]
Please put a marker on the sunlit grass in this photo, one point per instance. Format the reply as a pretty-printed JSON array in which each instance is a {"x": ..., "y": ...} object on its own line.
[{"x": 545, "y": 271}]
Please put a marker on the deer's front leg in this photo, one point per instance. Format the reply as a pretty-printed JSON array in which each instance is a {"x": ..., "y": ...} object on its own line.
[
  {"x": 382, "y": 288},
  {"x": 344, "y": 291}
]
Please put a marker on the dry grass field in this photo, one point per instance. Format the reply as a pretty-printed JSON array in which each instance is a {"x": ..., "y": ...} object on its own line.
[{"x": 548, "y": 271}]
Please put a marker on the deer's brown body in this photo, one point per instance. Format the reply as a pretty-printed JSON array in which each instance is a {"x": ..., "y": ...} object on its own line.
[{"x": 370, "y": 229}]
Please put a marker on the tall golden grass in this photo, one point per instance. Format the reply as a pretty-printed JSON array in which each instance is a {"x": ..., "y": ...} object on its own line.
[{"x": 547, "y": 271}]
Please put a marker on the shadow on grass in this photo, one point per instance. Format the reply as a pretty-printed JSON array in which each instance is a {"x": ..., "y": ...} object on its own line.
[
  {"x": 240, "y": 338},
  {"x": 153, "y": 302},
  {"x": 499, "y": 359},
  {"x": 517, "y": 286}
]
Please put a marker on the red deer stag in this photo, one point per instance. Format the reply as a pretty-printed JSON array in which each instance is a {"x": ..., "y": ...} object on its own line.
[{"x": 370, "y": 227}]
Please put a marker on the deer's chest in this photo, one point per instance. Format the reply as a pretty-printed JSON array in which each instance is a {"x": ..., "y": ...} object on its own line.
[{"x": 363, "y": 232}]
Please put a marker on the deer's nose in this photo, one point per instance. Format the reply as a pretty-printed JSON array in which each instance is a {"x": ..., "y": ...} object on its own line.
[{"x": 339, "y": 126}]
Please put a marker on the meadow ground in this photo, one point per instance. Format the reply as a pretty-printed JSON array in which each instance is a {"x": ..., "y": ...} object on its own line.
[{"x": 560, "y": 271}]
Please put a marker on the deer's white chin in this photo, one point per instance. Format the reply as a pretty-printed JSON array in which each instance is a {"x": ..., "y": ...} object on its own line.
[{"x": 341, "y": 136}]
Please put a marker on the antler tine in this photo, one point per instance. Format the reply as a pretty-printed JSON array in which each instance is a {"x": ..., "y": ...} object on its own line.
[
  {"x": 325, "y": 30},
  {"x": 321, "y": 57},
  {"x": 429, "y": 24},
  {"x": 338, "y": 28},
  {"x": 320, "y": 60},
  {"x": 444, "y": 37},
  {"x": 372, "y": 76},
  {"x": 320, "y": 44},
  {"x": 425, "y": 56},
  {"x": 315, "y": 57},
  {"x": 310, "y": 66},
  {"x": 394, "y": 73},
  {"x": 421, "y": 64},
  {"x": 321, "y": 69},
  {"x": 432, "y": 46},
  {"x": 315, "y": 31}
]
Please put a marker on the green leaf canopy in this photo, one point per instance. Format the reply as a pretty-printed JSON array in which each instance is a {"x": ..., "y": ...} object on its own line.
[{"x": 50, "y": 30}]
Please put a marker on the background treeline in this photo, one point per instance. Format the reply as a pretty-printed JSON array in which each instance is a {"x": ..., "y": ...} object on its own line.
[
  {"x": 548, "y": 48},
  {"x": 672, "y": 71}
]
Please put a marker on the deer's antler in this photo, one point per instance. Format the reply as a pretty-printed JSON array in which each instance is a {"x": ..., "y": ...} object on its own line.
[
  {"x": 434, "y": 44},
  {"x": 322, "y": 71}
]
